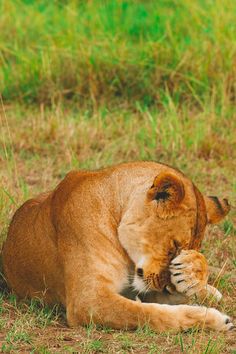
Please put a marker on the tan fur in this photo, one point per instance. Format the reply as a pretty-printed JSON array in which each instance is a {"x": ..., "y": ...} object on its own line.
[{"x": 79, "y": 244}]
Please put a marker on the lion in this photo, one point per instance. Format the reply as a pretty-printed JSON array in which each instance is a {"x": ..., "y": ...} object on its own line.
[{"x": 136, "y": 224}]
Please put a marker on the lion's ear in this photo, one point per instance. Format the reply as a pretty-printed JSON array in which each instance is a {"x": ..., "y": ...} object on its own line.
[
  {"x": 168, "y": 191},
  {"x": 216, "y": 209}
]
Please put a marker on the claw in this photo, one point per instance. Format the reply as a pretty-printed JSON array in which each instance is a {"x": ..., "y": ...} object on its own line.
[
  {"x": 191, "y": 287},
  {"x": 176, "y": 264}
]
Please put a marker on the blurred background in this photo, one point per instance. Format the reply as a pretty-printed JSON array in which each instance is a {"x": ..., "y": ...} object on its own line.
[{"x": 86, "y": 84}]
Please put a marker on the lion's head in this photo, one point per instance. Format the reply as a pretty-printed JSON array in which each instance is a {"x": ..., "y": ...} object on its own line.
[{"x": 169, "y": 216}]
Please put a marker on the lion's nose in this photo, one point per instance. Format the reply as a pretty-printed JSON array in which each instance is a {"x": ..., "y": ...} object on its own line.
[
  {"x": 164, "y": 278},
  {"x": 140, "y": 272}
]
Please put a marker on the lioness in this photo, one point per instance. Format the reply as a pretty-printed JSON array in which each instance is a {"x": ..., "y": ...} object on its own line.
[{"x": 79, "y": 244}]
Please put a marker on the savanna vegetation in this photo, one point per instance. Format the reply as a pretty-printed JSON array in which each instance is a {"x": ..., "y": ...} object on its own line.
[{"x": 86, "y": 84}]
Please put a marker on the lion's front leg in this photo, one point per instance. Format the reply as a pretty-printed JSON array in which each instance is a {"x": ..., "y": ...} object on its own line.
[
  {"x": 104, "y": 307},
  {"x": 189, "y": 274}
]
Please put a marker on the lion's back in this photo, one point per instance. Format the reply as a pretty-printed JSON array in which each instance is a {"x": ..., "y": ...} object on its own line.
[{"x": 29, "y": 249}]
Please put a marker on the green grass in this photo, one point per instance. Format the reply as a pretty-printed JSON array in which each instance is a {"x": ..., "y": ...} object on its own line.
[
  {"x": 86, "y": 84},
  {"x": 118, "y": 51}
]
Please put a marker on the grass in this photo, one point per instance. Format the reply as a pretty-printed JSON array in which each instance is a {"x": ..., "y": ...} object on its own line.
[
  {"x": 98, "y": 52},
  {"x": 86, "y": 84}
]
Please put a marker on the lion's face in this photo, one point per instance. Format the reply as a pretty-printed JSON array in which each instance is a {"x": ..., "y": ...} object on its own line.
[{"x": 170, "y": 217}]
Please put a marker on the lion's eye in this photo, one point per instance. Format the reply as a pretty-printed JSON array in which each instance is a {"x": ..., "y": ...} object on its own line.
[
  {"x": 172, "y": 252},
  {"x": 176, "y": 244}
]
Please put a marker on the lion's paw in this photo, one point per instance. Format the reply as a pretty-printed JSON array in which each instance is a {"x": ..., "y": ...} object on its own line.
[
  {"x": 189, "y": 272},
  {"x": 210, "y": 318},
  {"x": 218, "y": 321}
]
